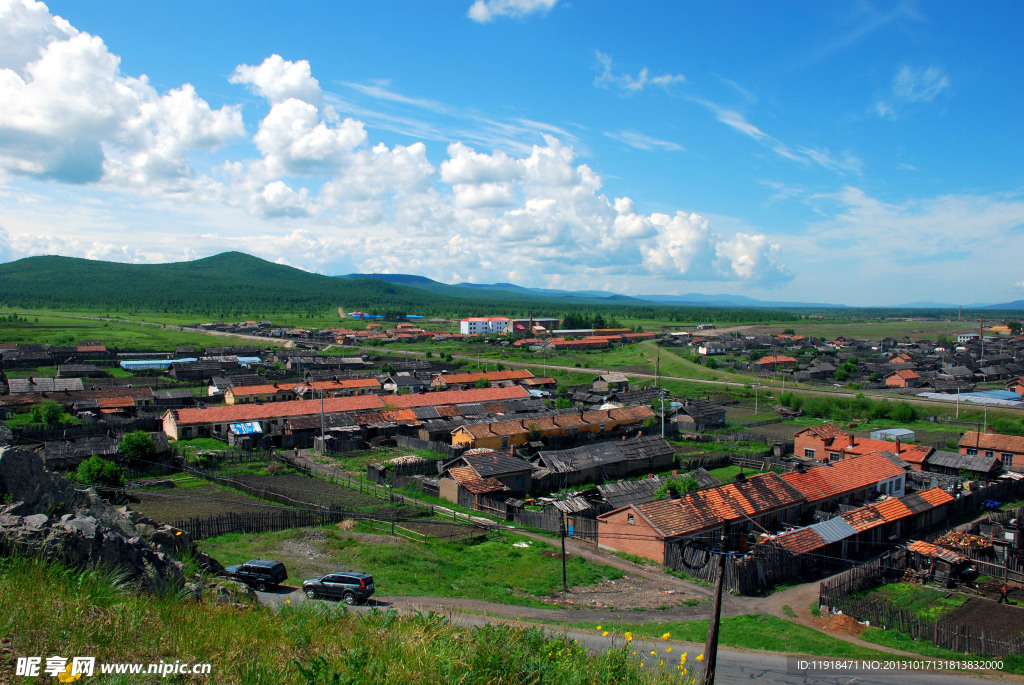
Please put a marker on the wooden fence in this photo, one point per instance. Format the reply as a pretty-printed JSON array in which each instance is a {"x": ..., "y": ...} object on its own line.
[
  {"x": 842, "y": 593},
  {"x": 432, "y": 445},
  {"x": 262, "y": 522}
]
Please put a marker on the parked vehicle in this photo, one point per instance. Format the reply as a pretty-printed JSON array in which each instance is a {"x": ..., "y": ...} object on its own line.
[
  {"x": 261, "y": 574},
  {"x": 352, "y": 587}
]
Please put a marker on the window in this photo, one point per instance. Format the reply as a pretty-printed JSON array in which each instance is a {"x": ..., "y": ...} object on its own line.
[
  {"x": 809, "y": 453},
  {"x": 971, "y": 451},
  {"x": 629, "y": 518},
  {"x": 989, "y": 453},
  {"x": 1007, "y": 459},
  {"x": 504, "y": 441}
]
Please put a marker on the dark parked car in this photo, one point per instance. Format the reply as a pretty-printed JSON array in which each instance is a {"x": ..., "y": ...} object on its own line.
[
  {"x": 352, "y": 587},
  {"x": 259, "y": 573}
]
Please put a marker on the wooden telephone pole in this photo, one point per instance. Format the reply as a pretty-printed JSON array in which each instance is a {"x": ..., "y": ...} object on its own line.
[{"x": 711, "y": 646}]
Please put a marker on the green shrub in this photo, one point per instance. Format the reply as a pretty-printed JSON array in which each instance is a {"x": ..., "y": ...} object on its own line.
[{"x": 99, "y": 471}]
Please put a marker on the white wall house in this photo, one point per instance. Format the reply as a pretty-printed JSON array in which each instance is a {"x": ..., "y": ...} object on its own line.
[{"x": 483, "y": 325}]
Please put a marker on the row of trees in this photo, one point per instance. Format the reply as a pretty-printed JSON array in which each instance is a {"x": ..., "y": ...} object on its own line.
[{"x": 845, "y": 408}]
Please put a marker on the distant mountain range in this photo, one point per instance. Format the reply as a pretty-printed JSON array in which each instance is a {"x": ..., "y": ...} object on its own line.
[
  {"x": 234, "y": 283},
  {"x": 504, "y": 290}
]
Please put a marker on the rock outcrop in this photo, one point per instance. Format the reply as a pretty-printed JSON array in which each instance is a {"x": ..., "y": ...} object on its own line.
[{"x": 44, "y": 513}]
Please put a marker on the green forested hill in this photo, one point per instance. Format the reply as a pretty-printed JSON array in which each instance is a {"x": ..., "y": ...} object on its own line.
[{"x": 234, "y": 285}]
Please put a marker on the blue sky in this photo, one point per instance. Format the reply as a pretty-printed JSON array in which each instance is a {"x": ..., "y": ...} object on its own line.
[{"x": 856, "y": 153}]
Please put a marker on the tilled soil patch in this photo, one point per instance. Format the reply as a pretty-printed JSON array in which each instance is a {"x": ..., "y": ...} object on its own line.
[{"x": 993, "y": 618}]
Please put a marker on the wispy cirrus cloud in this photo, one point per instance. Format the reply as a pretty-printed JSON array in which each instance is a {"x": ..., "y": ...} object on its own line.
[
  {"x": 843, "y": 163},
  {"x": 640, "y": 141},
  {"x": 628, "y": 83},
  {"x": 912, "y": 86},
  {"x": 484, "y": 11}
]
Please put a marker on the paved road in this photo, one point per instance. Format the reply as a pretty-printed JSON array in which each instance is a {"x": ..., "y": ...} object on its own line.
[{"x": 734, "y": 666}]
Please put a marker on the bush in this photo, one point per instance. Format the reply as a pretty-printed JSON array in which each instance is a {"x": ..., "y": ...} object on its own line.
[
  {"x": 46, "y": 412},
  {"x": 137, "y": 445},
  {"x": 563, "y": 403},
  {"x": 99, "y": 471},
  {"x": 681, "y": 484}
]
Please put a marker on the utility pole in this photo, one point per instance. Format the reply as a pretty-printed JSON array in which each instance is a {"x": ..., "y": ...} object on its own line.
[
  {"x": 661, "y": 397},
  {"x": 323, "y": 443},
  {"x": 711, "y": 646},
  {"x": 565, "y": 581}
]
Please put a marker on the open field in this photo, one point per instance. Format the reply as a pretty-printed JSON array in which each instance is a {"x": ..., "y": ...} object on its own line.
[
  {"x": 491, "y": 570},
  {"x": 55, "y": 329}
]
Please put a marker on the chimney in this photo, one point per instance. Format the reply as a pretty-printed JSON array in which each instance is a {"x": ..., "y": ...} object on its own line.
[
  {"x": 800, "y": 467},
  {"x": 853, "y": 441},
  {"x": 897, "y": 446},
  {"x": 990, "y": 430},
  {"x": 673, "y": 493},
  {"x": 741, "y": 477}
]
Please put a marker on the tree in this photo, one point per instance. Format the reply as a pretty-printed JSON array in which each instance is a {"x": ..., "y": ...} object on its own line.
[
  {"x": 387, "y": 368},
  {"x": 563, "y": 403},
  {"x": 482, "y": 383},
  {"x": 1015, "y": 327},
  {"x": 534, "y": 434},
  {"x": 137, "y": 445},
  {"x": 46, "y": 412},
  {"x": 680, "y": 484},
  {"x": 99, "y": 471}
]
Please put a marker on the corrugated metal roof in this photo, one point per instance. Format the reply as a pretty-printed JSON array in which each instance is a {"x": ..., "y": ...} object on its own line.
[
  {"x": 834, "y": 530},
  {"x": 475, "y": 409}
]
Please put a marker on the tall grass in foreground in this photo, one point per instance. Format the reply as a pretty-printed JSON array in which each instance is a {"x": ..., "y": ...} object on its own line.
[{"x": 51, "y": 610}]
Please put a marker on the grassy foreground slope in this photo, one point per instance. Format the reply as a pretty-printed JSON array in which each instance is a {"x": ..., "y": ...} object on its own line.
[{"x": 51, "y": 610}]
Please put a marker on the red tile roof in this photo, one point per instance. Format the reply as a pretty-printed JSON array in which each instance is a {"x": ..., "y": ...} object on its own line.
[
  {"x": 915, "y": 454},
  {"x": 801, "y": 541},
  {"x": 825, "y": 431},
  {"x": 892, "y": 510},
  {"x": 429, "y": 399},
  {"x": 235, "y": 413},
  {"x": 936, "y": 497},
  {"x": 864, "y": 518},
  {"x": 997, "y": 442},
  {"x": 493, "y": 376},
  {"x": 838, "y": 478},
  {"x": 466, "y": 477},
  {"x": 696, "y": 511}
]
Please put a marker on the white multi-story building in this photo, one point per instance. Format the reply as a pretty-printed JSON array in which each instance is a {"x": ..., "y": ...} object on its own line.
[{"x": 482, "y": 325}]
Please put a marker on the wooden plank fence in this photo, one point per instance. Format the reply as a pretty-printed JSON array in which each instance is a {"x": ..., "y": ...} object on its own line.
[
  {"x": 842, "y": 593},
  {"x": 434, "y": 446},
  {"x": 261, "y": 522}
]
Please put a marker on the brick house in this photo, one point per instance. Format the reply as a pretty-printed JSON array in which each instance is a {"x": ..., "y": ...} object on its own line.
[
  {"x": 647, "y": 529},
  {"x": 847, "y": 481},
  {"x": 1008, "y": 448},
  {"x": 812, "y": 442}
]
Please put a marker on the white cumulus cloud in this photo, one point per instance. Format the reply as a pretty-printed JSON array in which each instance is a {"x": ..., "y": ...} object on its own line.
[
  {"x": 483, "y": 11},
  {"x": 278, "y": 79}
]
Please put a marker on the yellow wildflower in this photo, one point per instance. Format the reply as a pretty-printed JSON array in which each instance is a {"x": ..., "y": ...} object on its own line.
[
  {"x": 682, "y": 657},
  {"x": 653, "y": 653},
  {"x": 668, "y": 651},
  {"x": 666, "y": 636},
  {"x": 700, "y": 657},
  {"x": 604, "y": 634},
  {"x": 629, "y": 637},
  {"x": 661, "y": 663},
  {"x": 599, "y": 627}
]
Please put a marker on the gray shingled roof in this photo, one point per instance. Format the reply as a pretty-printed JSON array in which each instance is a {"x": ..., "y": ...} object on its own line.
[
  {"x": 579, "y": 458},
  {"x": 955, "y": 460}
]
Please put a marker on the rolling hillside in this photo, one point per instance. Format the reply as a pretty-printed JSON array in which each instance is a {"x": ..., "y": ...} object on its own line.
[{"x": 233, "y": 285}]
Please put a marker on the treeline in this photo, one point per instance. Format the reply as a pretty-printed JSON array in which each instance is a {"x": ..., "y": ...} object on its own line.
[
  {"x": 233, "y": 286},
  {"x": 850, "y": 408}
]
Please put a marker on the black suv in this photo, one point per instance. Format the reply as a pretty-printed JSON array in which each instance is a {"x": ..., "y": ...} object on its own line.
[
  {"x": 352, "y": 587},
  {"x": 259, "y": 573}
]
